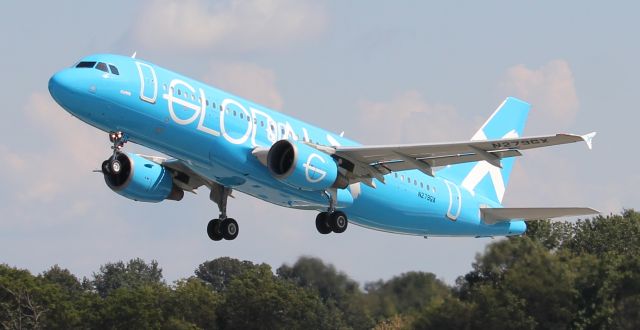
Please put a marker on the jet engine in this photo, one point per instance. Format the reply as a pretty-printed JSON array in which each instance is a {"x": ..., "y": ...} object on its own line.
[
  {"x": 137, "y": 178},
  {"x": 304, "y": 167}
]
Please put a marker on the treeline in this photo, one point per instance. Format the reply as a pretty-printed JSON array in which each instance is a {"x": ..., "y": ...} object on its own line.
[{"x": 578, "y": 275}]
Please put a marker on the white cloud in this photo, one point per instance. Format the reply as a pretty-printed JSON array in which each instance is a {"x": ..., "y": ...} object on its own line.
[
  {"x": 247, "y": 80},
  {"x": 52, "y": 177},
  {"x": 408, "y": 118},
  {"x": 231, "y": 25},
  {"x": 551, "y": 91}
]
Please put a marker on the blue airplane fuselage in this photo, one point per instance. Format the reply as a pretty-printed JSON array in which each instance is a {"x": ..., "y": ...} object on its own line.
[{"x": 215, "y": 133}]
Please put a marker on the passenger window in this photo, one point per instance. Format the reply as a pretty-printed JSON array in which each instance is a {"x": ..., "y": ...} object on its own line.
[
  {"x": 421, "y": 185},
  {"x": 102, "y": 67},
  {"x": 234, "y": 113},
  {"x": 262, "y": 123},
  {"x": 86, "y": 65},
  {"x": 114, "y": 70},
  {"x": 241, "y": 115},
  {"x": 207, "y": 102},
  {"x": 179, "y": 92}
]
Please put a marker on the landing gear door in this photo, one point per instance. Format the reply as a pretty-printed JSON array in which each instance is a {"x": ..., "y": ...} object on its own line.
[
  {"x": 148, "y": 82},
  {"x": 455, "y": 201}
]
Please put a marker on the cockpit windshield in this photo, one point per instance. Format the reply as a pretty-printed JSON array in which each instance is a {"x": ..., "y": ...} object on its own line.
[
  {"x": 100, "y": 66},
  {"x": 86, "y": 65}
]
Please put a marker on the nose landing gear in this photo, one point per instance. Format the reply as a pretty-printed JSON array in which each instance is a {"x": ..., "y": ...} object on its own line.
[{"x": 113, "y": 165}]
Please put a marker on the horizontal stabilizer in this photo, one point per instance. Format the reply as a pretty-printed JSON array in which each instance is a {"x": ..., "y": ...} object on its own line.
[{"x": 494, "y": 215}]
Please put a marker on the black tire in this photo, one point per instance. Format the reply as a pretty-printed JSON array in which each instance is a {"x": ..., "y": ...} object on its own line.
[
  {"x": 229, "y": 229},
  {"x": 115, "y": 166},
  {"x": 322, "y": 223},
  {"x": 213, "y": 230},
  {"x": 338, "y": 222}
]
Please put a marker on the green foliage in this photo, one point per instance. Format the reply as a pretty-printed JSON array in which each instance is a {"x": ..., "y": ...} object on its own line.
[
  {"x": 221, "y": 271},
  {"x": 259, "y": 300},
  {"x": 408, "y": 293},
  {"x": 193, "y": 303},
  {"x": 136, "y": 273},
  {"x": 580, "y": 275},
  {"x": 335, "y": 288}
]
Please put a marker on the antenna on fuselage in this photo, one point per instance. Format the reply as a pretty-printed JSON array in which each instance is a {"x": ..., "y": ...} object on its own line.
[
  {"x": 342, "y": 134},
  {"x": 134, "y": 54}
]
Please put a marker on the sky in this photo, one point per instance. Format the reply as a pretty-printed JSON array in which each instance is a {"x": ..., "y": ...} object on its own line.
[{"x": 385, "y": 72}]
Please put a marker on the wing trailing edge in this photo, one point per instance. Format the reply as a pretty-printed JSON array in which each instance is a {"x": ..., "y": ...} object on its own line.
[{"x": 495, "y": 215}]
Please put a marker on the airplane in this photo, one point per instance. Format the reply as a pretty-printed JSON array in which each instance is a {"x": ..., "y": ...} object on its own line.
[{"x": 226, "y": 143}]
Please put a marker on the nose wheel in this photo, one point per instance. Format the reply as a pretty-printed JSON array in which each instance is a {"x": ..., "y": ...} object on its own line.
[{"x": 113, "y": 165}]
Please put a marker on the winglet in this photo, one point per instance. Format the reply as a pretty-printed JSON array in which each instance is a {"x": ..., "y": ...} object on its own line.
[{"x": 588, "y": 138}]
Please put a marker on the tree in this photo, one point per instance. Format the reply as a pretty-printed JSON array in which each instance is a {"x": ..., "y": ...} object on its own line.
[
  {"x": 335, "y": 288},
  {"x": 257, "y": 299},
  {"x": 193, "y": 303},
  {"x": 134, "y": 274},
  {"x": 407, "y": 293},
  {"x": 20, "y": 303},
  {"x": 221, "y": 271},
  {"x": 138, "y": 307}
]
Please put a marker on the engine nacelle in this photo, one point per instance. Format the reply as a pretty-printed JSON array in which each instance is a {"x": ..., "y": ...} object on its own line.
[
  {"x": 303, "y": 167},
  {"x": 141, "y": 180}
]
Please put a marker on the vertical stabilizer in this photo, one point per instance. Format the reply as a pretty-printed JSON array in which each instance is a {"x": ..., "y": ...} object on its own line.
[{"x": 481, "y": 177}]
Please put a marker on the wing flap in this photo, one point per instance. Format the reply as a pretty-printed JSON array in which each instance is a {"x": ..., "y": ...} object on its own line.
[
  {"x": 382, "y": 154},
  {"x": 494, "y": 215}
]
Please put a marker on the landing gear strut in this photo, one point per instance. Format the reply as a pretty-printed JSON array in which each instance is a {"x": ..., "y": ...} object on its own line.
[
  {"x": 332, "y": 220},
  {"x": 222, "y": 228},
  {"x": 113, "y": 165}
]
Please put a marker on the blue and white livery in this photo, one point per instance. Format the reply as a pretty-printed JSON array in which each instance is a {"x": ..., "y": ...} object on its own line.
[{"x": 226, "y": 143}]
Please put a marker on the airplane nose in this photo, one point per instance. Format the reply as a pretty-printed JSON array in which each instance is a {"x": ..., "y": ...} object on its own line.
[{"x": 59, "y": 85}]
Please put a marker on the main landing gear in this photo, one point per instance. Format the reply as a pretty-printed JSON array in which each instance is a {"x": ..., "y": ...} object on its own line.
[
  {"x": 222, "y": 228},
  {"x": 332, "y": 220},
  {"x": 113, "y": 165}
]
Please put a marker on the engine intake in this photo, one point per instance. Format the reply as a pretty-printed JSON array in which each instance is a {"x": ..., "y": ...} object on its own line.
[
  {"x": 140, "y": 179},
  {"x": 303, "y": 167}
]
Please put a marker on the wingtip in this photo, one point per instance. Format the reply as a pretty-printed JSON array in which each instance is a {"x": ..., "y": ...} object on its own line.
[{"x": 588, "y": 138}]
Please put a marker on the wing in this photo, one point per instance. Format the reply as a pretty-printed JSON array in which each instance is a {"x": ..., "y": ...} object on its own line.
[
  {"x": 494, "y": 215},
  {"x": 374, "y": 161}
]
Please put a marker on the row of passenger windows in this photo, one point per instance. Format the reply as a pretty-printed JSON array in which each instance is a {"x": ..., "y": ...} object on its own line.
[
  {"x": 415, "y": 182},
  {"x": 187, "y": 95},
  {"x": 100, "y": 66}
]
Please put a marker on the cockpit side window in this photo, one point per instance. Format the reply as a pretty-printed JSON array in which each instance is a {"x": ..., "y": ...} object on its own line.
[
  {"x": 114, "y": 70},
  {"x": 86, "y": 65},
  {"x": 102, "y": 67}
]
